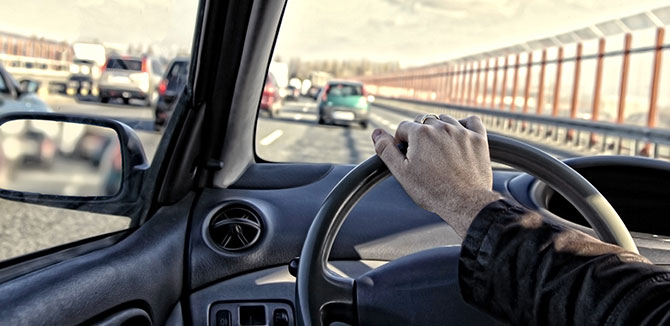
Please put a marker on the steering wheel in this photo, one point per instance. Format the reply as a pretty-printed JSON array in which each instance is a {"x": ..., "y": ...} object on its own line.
[{"x": 323, "y": 296}]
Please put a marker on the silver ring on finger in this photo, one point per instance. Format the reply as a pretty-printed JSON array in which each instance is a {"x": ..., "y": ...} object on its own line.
[{"x": 427, "y": 116}]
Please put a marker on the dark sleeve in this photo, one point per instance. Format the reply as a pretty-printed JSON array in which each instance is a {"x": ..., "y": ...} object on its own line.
[{"x": 524, "y": 271}]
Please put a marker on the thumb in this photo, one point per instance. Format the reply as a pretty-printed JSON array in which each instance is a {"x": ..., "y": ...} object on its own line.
[{"x": 385, "y": 146}]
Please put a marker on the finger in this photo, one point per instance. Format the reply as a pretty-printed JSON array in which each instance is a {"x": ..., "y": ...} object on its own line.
[
  {"x": 434, "y": 122},
  {"x": 475, "y": 124},
  {"x": 386, "y": 149},
  {"x": 450, "y": 120},
  {"x": 404, "y": 129}
]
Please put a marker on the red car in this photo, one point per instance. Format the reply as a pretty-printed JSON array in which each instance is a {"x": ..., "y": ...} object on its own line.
[{"x": 271, "y": 101}]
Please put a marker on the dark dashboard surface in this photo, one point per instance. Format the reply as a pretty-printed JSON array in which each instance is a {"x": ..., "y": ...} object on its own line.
[{"x": 384, "y": 226}]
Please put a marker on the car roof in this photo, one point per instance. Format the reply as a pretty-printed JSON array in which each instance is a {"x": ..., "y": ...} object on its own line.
[{"x": 345, "y": 82}]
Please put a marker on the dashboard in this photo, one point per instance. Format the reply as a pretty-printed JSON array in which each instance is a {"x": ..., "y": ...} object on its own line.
[{"x": 243, "y": 238}]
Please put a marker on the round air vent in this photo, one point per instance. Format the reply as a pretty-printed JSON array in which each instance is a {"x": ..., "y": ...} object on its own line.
[{"x": 234, "y": 228}]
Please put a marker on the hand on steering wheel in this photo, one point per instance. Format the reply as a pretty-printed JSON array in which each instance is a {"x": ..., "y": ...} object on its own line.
[{"x": 447, "y": 168}]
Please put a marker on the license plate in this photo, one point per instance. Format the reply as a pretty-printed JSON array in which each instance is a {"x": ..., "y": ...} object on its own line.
[
  {"x": 119, "y": 79},
  {"x": 342, "y": 115}
]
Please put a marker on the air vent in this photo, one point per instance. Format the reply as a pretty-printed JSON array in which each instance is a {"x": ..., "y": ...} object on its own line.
[{"x": 235, "y": 228}]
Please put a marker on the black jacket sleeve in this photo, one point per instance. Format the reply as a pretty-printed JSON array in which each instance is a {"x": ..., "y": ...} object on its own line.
[{"x": 524, "y": 271}]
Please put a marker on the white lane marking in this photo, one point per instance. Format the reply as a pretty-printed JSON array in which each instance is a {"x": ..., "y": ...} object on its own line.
[
  {"x": 305, "y": 108},
  {"x": 269, "y": 139},
  {"x": 297, "y": 116}
]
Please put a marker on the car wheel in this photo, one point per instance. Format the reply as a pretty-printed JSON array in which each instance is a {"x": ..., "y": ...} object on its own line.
[
  {"x": 364, "y": 124},
  {"x": 104, "y": 99},
  {"x": 271, "y": 113}
]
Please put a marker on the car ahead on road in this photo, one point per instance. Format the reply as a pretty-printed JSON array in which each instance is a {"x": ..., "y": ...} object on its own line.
[
  {"x": 343, "y": 102},
  {"x": 214, "y": 230},
  {"x": 270, "y": 100},
  {"x": 128, "y": 78},
  {"x": 169, "y": 89}
]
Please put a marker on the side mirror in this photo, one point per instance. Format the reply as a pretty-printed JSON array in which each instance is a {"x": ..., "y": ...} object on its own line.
[
  {"x": 70, "y": 161},
  {"x": 28, "y": 86}
]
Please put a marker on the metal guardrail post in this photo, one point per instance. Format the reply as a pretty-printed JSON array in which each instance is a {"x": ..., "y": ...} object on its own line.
[
  {"x": 478, "y": 72},
  {"x": 595, "y": 110},
  {"x": 575, "y": 91},
  {"x": 526, "y": 92},
  {"x": 504, "y": 82},
  {"x": 495, "y": 84},
  {"x": 623, "y": 86},
  {"x": 464, "y": 84},
  {"x": 540, "y": 91},
  {"x": 486, "y": 80},
  {"x": 515, "y": 80},
  {"x": 447, "y": 78},
  {"x": 653, "y": 96}
]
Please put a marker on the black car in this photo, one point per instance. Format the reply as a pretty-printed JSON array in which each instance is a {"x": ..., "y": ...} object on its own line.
[{"x": 169, "y": 89}]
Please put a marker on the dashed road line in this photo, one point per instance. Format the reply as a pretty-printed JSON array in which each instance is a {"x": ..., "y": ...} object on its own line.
[{"x": 269, "y": 139}]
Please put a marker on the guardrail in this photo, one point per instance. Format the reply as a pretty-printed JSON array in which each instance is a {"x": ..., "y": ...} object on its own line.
[
  {"x": 581, "y": 135},
  {"x": 13, "y": 62},
  {"x": 522, "y": 87}
]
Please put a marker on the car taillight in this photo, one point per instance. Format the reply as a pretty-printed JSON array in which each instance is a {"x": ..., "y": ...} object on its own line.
[
  {"x": 162, "y": 87},
  {"x": 365, "y": 92},
  {"x": 269, "y": 89},
  {"x": 144, "y": 65},
  {"x": 104, "y": 67},
  {"x": 325, "y": 93}
]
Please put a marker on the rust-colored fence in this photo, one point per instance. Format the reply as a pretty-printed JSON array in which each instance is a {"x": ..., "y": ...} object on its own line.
[{"x": 534, "y": 83}]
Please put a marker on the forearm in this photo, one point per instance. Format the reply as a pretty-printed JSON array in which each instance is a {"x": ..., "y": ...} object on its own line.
[{"x": 525, "y": 271}]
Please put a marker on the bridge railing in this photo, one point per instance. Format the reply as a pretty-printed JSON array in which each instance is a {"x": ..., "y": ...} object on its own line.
[
  {"x": 575, "y": 136},
  {"x": 533, "y": 86},
  {"x": 17, "y": 64}
]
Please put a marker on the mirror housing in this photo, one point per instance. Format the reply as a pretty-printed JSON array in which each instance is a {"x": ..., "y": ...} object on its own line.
[
  {"x": 134, "y": 167},
  {"x": 28, "y": 86}
]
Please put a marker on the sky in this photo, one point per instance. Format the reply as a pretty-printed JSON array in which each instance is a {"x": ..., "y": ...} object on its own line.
[{"x": 409, "y": 31}]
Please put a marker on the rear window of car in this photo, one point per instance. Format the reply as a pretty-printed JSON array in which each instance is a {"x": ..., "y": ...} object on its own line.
[
  {"x": 124, "y": 64},
  {"x": 345, "y": 90},
  {"x": 179, "y": 69}
]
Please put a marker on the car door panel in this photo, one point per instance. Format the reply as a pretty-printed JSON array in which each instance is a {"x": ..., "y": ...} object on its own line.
[{"x": 144, "y": 270}]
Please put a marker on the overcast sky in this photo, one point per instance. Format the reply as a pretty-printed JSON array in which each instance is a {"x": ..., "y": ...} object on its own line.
[{"x": 410, "y": 31}]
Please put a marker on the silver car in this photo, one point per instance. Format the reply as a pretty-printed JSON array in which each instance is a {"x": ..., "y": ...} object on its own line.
[{"x": 130, "y": 78}]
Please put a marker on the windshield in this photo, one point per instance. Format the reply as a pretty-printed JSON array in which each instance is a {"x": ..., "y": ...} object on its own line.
[{"x": 572, "y": 78}]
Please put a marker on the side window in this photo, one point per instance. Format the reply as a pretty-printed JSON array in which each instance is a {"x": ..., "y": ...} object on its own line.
[
  {"x": 156, "y": 67},
  {"x": 89, "y": 61}
]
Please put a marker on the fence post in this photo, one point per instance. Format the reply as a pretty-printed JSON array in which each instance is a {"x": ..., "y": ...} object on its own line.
[
  {"x": 486, "y": 82},
  {"x": 504, "y": 82},
  {"x": 495, "y": 83},
  {"x": 478, "y": 72},
  {"x": 526, "y": 92},
  {"x": 655, "y": 79},
  {"x": 447, "y": 78},
  {"x": 463, "y": 83},
  {"x": 596, "y": 89},
  {"x": 515, "y": 82},
  {"x": 575, "y": 90}
]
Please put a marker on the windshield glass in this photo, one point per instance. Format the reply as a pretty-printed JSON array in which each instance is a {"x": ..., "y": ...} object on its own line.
[{"x": 572, "y": 78}]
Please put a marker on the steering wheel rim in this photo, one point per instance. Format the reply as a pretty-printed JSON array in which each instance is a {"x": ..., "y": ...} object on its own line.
[{"x": 338, "y": 293}]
